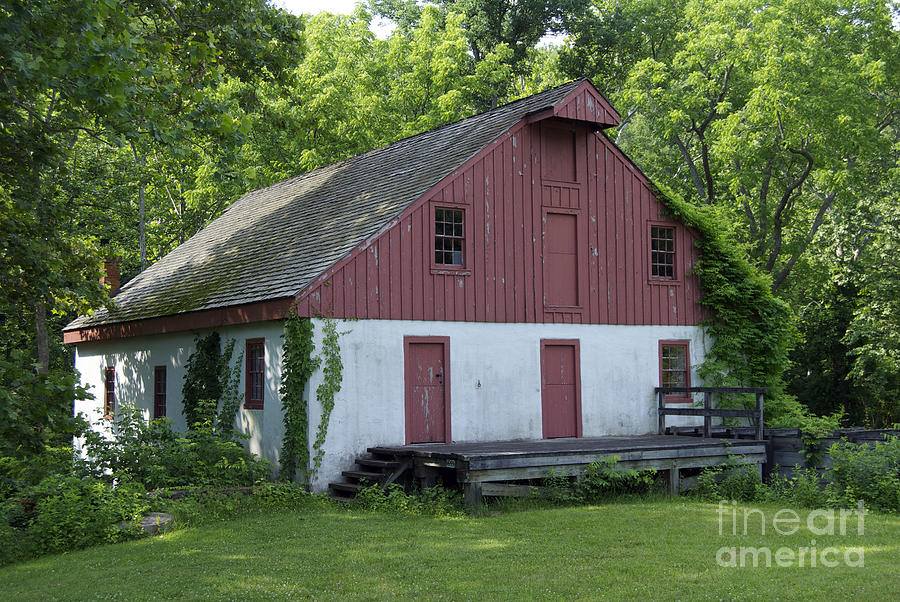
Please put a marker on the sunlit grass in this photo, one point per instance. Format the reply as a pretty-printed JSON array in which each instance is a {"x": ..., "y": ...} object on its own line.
[{"x": 653, "y": 549}]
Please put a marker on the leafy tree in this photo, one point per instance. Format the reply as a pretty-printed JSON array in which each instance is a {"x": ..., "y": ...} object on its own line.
[
  {"x": 85, "y": 79},
  {"x": 496, "y": 30},
  {"x": 767, "y": 110}
]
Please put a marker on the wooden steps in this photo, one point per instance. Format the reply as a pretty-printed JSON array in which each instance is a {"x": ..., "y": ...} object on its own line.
[{"x": 377, "y": 468}]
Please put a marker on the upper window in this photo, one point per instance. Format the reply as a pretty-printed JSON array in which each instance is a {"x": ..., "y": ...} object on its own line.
[
  {"x": 159, "y": 392},
  {"x": 256, "y": 374},
  {"x": 109, "y": 397},
  {"x": 448, "y": 237},
  {"x": 675, "y": 367},
  {"x": 662, "y": 252}
]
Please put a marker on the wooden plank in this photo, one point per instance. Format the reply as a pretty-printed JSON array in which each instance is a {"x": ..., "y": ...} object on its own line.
[
  {"x": 711, "y": 389},
  {"x": 479, "y": 259},
  {"x": 621, "y": 247},
  {"x": 428, "y": 279},
  {"x": 506, "y": 274},
  {"x": 383, "y": 268},
  {"x": 623, "y": 456},
  {"x": 510, "y": 490},
  {"x": 633, "y": 280},
  {"x": 520, "y": 284},
  {"x": 537, "y": 472},
  {"x": 528, "y": 210},
  {"x": 708, "y": 412}
]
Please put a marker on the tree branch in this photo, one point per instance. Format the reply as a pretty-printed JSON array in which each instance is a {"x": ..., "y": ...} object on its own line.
[{"x": 695, "y": 176}]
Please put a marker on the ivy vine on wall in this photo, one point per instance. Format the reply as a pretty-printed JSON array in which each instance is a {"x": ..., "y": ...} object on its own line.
[
  {"x": 752, "y": 330},
  {"x": 212, "y": 380},
  {"x": 298, "y": 364},
  {"x": 331, "y": 384}
]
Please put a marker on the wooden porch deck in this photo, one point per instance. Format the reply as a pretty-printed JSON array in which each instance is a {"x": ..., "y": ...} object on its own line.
[{"x": 484, "y": 469}]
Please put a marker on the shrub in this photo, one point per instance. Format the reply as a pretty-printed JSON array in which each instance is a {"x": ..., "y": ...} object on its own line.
[
  {"x": 19, "y": 473},
  {"x": 729, "y": 482},
  {"x": 67, "y": 512},
  {"x": 432, "y": 501},
  {"x": 157, "y": 457},
  {"x": 803, "y": 489},
  {"x": 602, "y": 479},
  {"x": 867, "y": 474}
]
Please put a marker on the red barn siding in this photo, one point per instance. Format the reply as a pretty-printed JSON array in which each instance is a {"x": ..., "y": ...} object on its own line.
[{"x": 506, "y": 199}]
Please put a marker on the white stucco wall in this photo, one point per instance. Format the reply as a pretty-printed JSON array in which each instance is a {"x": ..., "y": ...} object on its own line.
[
  {"x": 135, "y": 358},
  {"x": 495, "y": 381}
]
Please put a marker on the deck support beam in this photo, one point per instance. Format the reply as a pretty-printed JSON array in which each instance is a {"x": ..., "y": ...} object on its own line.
[
  {"x": 674, "y": 480},
  {"x": 472, "y": 494}
]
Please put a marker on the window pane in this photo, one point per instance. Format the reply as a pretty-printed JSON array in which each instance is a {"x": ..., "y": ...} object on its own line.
[{"x": 448, "y": 236}]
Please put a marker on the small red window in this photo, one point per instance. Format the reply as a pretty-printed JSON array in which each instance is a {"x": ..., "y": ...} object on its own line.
[
  {"x": 256, "y": 374},
  {"x": 662, "y": 252},
  {"x": 109, "y": 397},
  {"x": 448, "y": 237},
  {"x": 675, "y": 368},
  {"x": 159, "y": 392}
]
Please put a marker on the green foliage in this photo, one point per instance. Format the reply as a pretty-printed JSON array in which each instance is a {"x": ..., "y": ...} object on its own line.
[
  {"x": 211, "y": 382},
  {"x": 17, "y": 474},
  {"x": 201, "y": 379},
  {"x": 602, "y": 479},
  {"x": 232, "y": 396},
  {"x": 297, "y": 365},
  {"x": 801, "y": 490},
  {"x": 156, "y": 456},
  {"x": 873, "y": 335},
  {"x": 393, "y": 499},
  {"x": 865, "y": 474},
  {"x": 729, "y": 482},
  {"x": 325, "y": 392},
  {"x": 62, "y": 513},
  {"x": 752, "y": 331},
  {"x": 35, "y": 409}
]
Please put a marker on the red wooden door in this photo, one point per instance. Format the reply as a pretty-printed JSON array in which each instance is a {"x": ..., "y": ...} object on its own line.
[
  {"x": 561, "y": 260},
  {"x": 560, "y": 389},
  {"x": 427, "y": 377}
]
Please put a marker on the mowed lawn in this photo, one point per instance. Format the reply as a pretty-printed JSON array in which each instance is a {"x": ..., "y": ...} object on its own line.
[{"x": 663, "y": 549}]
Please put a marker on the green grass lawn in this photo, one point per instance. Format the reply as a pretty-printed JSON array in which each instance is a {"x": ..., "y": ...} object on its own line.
[{"x": 657, "y": 549}]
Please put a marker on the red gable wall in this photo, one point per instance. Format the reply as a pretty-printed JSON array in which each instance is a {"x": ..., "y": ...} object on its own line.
[{"x": 507, "y": 191}]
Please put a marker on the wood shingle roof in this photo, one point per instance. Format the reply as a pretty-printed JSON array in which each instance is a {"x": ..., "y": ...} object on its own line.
[{"x": 275, "y": 241}]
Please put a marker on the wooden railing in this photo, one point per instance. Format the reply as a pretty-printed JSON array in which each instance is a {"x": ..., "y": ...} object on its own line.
[{"x": 707, "y": 411}]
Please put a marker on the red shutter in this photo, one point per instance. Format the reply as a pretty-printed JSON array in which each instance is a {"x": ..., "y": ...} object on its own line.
[
  {"x": 109, "y": 398},
  {"x": 159, "y": 392},
  {"x": 255, "y": 378}
]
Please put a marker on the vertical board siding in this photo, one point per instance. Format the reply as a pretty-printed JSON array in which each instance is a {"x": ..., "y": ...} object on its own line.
[{"x": 506, "y": 199}]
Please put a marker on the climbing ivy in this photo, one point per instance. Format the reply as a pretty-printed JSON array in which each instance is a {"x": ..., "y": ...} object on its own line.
[
  {"x": 232, "y": 396},
  {"x": 752, "y": 331},
  {"x": 332, "y": 375},
  {"x": 211, "y": 379},
  {"x": 201, "y": 379},
  {"x": 298, "y": 364}
]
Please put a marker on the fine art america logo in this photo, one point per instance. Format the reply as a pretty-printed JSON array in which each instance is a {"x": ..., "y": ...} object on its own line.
[{"x": 829, "y": 523}]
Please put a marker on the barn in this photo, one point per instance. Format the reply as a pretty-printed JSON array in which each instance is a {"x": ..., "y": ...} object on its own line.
[{"x": 510, "y": 276}]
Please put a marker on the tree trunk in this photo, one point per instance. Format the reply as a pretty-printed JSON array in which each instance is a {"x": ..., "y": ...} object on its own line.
[
  {"x": 142, "y": 220},
  {"x": 40, "y": 335}
]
